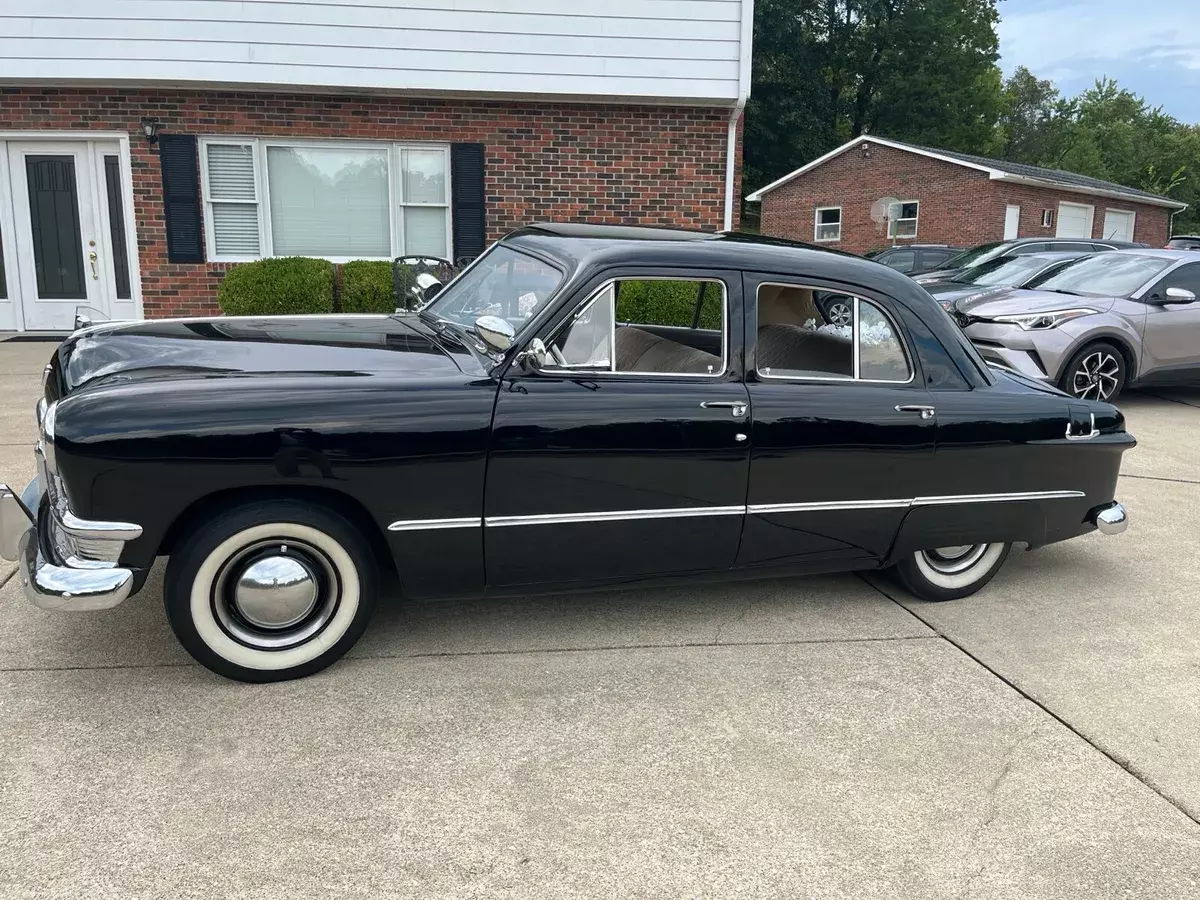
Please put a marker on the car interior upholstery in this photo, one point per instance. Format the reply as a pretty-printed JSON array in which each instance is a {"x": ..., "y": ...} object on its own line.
[
  {"x": 641, "y": 351},
  {"x": 788, "y": 344}
]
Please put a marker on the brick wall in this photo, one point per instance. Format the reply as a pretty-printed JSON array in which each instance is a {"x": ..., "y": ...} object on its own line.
[
  {"x": 613, "y": 164},
  {"x": 958, "y": 205}
]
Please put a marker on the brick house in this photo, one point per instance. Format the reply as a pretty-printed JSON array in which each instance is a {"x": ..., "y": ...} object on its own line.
[
  {"x": 363, "y": 131},
  {"x": 949, "y": 198}
]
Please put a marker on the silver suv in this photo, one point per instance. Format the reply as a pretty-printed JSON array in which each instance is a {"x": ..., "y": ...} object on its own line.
[{"x": 1127, "y": 317}]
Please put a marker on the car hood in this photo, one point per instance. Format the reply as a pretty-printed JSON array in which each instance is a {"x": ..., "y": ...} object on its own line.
[
  {"x": 1014, "y": 301},
  {"x": 248, "y": 346}
]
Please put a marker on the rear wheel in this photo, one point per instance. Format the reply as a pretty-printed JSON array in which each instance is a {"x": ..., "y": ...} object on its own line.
[
  {"x": 950, "y": 573},
  {"x": 1097, "y": 372},
  {"x": 272, "y": 591}
]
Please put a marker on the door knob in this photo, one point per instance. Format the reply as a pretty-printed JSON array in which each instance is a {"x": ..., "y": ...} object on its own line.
[{"x": 92, "y": 260}]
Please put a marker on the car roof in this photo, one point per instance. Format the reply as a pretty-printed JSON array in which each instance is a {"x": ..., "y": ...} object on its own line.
[{"x": 1151, "y": 251}]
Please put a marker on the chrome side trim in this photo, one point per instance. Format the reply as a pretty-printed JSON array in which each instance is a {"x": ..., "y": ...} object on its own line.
[
  {"x": 615, "y": 515},
  {"x": 996, "y": 498},
  {"x": 435, "y": 524},
  {"x": 765, "y": 508}
]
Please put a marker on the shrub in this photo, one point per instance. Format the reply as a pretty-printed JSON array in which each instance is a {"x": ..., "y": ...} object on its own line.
[
  {"x": 367, "y": 287},
  {"x": 274, "y": 287},
  {"x": 668, "y": 303}
]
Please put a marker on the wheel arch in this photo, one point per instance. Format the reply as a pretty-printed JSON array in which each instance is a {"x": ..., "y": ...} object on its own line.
[
  {"x": 1116, "y": 338},
  {"x": 336, "y": 501}
]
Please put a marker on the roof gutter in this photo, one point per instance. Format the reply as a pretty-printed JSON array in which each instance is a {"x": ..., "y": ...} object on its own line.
[
  {"x": 744, "y": 63},
  {"x": 1088, "y": 191}
]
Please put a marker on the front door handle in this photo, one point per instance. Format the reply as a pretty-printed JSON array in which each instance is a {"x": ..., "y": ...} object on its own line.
[
  {"x": 737, "y": 408},
  {"x": 927, "y": 412}
]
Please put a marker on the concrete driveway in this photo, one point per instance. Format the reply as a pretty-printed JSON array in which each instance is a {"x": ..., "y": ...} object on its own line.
[{"x": 803, "y": 738}]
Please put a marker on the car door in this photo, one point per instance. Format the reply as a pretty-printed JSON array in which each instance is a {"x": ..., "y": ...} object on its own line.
[
  {"x": 843, "y": 426},
  {"x": 1171, "y": 339},
  {"x": 625, "y": 453}
]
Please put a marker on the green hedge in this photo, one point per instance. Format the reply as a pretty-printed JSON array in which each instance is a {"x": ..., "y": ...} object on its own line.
[
  {"x": 367, "y": 287},
  {"x": 273, "y": 287},
  {"x": 668, "y": 303}
]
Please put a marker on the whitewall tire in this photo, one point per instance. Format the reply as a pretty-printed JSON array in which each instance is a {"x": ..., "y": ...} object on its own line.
[
  {"x": 949, "y": 573},
  {"x": 271, "y": 591}
]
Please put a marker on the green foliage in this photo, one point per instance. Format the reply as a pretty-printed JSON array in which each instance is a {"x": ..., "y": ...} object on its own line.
[
  {"x": 367, "y": 287},
  {"x": 668, "y": 303},
  {"x": 272, "y": 287}
]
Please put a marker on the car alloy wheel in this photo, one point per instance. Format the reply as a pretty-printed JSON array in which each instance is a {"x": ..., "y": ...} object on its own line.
[
  {"x": 1097, "y": 376},
  {"x": 841, "y": 313}
]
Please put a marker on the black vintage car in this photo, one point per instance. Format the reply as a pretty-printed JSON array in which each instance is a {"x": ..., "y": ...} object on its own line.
[{"x": 582, "y": 406}]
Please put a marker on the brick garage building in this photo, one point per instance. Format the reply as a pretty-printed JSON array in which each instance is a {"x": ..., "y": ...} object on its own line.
[
  {"x": 344, "y": 132},
  {"x": 949, "y": 198}
]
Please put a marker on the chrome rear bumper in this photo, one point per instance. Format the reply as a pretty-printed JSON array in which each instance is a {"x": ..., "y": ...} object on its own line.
[{"x": 80, "y": 584}]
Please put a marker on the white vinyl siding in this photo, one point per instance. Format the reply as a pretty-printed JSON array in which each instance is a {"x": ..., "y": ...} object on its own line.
[
  {"x": 333, "y": 199},
  {"x": 653, "y": 49}
]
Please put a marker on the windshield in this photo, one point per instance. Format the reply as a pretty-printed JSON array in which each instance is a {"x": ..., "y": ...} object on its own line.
[
  {"x": 503, "y": 282},
  {"x": 1106, "y": 274},
  {"x": 976, "y": 255},
  {"x": 1005, "y": 270}
]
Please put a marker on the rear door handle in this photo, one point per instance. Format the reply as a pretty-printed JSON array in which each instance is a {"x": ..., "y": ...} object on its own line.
[
  {"x": 737, "y": 408},
  {"x": 927, "y": 412}
]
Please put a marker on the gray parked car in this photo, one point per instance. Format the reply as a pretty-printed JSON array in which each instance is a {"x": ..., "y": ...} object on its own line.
[
  {"x": 998, "y": 274},
  {"x": 1114, "y": 319}
]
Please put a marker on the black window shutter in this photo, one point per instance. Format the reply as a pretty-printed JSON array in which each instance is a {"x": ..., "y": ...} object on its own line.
[
  {"x": 181, "y": 197},
  {"x": 466, "y": 178}
]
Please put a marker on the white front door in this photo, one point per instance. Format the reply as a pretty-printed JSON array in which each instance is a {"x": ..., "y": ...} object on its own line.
[
  {"x": 1118, "y": 225},
  {"x": 1074, "y": 220},
  {"x": 63, "y": 230},
  {"x": 1012, "y": 222}
]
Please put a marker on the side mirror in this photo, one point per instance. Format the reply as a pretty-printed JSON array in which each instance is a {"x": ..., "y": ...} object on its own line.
[
  {"x": 534, "y": 356},
  {"x": 497, "y": 333},
  {"x": 1180, "y": 295}
]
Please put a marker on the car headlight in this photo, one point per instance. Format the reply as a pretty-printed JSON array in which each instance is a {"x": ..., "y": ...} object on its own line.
[
  {"x": 925, "y": 280},
  {"x": 947, "y": 305},
  {"x": 1044, "y": 320}
]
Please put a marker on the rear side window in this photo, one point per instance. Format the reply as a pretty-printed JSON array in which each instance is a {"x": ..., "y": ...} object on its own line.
[
  {"x": 1022, "y": 249},
  {"x": 654, "y": 326},
  {"x": 808, "y": 333},
  {"x": 901, "y": 260}
]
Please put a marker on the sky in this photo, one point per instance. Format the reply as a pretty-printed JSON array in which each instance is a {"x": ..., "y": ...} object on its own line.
[{"x": 1152, "y": 47}]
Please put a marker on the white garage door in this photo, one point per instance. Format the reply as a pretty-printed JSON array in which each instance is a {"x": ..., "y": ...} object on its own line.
[
  {"x": 1118, "y": 225},
  {"x": 1074, "y": 220}
]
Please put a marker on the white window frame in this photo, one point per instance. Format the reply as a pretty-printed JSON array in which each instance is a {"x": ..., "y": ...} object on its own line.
[
  {"x": 817, "y": 225},
  {"x": 1047, "y": 218},
  {"x": 916, "y": 220},
  {"x": 259, "y": 146}
]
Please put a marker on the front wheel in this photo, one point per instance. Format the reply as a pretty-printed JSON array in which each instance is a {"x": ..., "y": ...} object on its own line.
[
  {"x": 950, "y": 573},
  {"x": 270, "y": 591},
  {"x": 1097, "y": 372}
]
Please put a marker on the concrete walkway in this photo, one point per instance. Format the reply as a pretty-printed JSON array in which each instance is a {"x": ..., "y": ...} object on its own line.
[{"x": 812, "y": 738}]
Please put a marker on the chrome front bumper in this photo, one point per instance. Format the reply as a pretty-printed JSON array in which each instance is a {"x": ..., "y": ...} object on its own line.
[{"x": 80, "y": 584}]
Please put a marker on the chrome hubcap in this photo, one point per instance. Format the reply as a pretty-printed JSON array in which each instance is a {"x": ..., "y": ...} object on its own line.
[
  {"x": 1097, "y": 377},
  {"x": 275, "y": 594},
  {"x": 952, "y": 560},
  {"x": 840, "y": 314}
]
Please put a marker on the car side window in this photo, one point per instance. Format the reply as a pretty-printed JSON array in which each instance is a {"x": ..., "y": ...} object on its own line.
[
  {"x": 808, "y": 333},
  {"x": 933, "y": 258},
  {"x": 1186, "y": 277},
  {"x": 1023, "y": 249},
  {"x": 1074, "y": 248},
  {"x": 656, "y": 326},
  {"x": 901, "y": 260}
]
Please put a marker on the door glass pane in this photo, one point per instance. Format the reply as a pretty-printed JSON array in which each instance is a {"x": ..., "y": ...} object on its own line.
[
  {"x": 425, "y": 230},
  {"x": 116, "y": 226},
  {"x": 329, "y": 201},
  {"x": 54, "y": 220},
  {"x": 584, "y": 343},
  {"x": 901, "y": 261},
  {"x": 880, "y": 350},
  {"x": 424, "y": 176},
  {"x": 804, "y": 333}
]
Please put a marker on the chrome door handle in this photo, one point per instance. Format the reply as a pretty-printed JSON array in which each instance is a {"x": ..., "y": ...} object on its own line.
[
  {"x": 927, "y": 412},
  {"x": 736, "y": 407},
  {"x": 1087, "y": 435}
]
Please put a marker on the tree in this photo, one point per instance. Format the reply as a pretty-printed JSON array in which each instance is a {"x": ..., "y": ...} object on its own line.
[
  {"x": 829, "y": 70},
  {"x": 1030, "y": 119}
]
